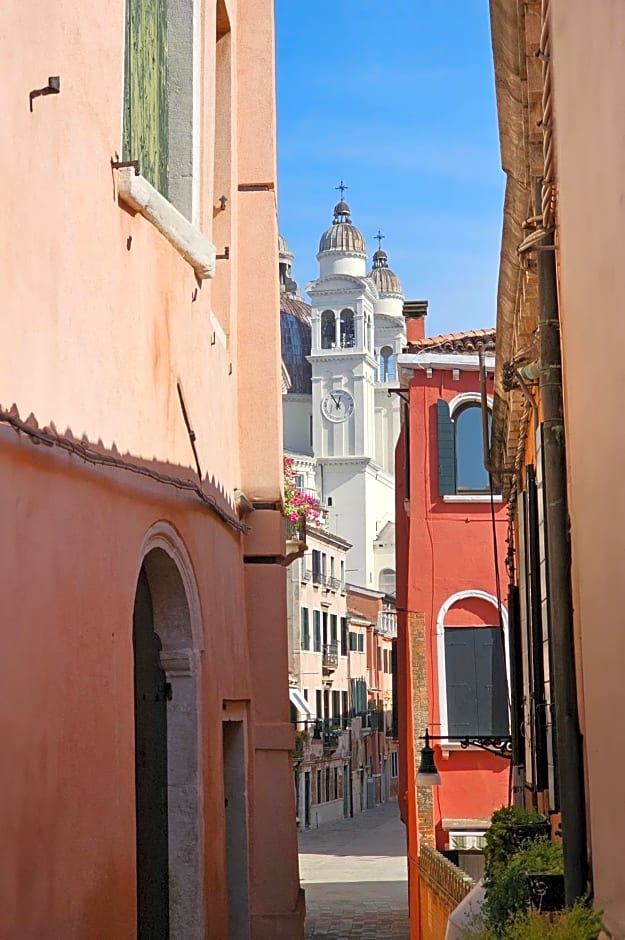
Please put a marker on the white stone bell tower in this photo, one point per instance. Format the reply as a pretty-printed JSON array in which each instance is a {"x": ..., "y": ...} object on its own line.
[{"x": 344, "y": 373}]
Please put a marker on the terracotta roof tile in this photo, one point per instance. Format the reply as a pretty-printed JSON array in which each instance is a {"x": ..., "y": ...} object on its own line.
[{"x": 466, "y": 341}]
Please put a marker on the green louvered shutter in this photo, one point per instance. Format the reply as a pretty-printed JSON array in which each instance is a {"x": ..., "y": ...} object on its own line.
[
  {"x": 145, "y": 89},
  {"x": 446, "y": 450}
]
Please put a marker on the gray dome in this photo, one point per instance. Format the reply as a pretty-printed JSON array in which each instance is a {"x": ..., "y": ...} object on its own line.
[
  {"x": 295, "y": 334},
  {"x": 384, "y": 279},
  {"x": 342, "y": 235}
]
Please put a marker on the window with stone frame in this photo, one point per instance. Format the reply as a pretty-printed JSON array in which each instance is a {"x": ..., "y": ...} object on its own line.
[{"x": 460, "y": 449}]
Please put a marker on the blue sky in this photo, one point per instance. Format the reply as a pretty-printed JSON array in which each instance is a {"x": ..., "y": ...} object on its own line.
[{"x": 397, "y": 98}]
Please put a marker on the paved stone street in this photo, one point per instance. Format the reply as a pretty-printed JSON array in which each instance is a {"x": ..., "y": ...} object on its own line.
[{"x": 354, "y": 873}]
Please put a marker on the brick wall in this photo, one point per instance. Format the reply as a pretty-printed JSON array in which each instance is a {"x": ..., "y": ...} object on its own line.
[{"x": 420, "y": 714}]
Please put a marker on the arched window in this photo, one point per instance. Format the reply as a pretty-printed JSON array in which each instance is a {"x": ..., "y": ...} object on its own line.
[
  {"x": 470, "y": 471},
  {"x": 328, "y": 330},
  {"x": 460, "y": 449},
  {"x": 386, "y": 581},
  {"x": 386, "y": 369},
  {"x": 347, "y": 329}
]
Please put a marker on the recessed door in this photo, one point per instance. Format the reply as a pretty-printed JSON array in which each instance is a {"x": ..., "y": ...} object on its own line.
[{"x": 150, "y": 772}]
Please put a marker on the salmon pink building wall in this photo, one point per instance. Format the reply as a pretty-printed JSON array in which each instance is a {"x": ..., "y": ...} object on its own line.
[
  {"x": 591, "y": 194},
  {"x": 446, "y": 578},
  {"x": 105, "y": 327}
]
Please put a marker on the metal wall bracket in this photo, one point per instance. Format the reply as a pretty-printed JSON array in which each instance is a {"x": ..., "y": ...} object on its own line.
[{"x": 52, "y": 88}]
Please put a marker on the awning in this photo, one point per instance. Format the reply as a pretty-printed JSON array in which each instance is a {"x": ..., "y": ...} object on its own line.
[{"x": 300, "y": 702}]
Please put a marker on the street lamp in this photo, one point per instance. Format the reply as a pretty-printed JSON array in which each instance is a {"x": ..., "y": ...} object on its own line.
[{"x": 428, "y": 775}]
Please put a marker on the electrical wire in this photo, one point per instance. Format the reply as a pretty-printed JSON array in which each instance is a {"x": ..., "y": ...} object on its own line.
[{"x": 94, "y": 457}]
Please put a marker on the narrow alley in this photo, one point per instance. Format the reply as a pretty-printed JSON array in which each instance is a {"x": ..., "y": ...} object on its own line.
[{"x": 354, "y": 873}]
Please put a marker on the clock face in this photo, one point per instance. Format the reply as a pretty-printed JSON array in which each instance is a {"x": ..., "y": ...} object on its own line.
[{"x": 337, "y": 405}]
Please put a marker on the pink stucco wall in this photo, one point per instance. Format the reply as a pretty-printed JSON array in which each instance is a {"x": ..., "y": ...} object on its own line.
[
  {"x": 589, "y": 94},
  {"x": 101, "y": 319}
]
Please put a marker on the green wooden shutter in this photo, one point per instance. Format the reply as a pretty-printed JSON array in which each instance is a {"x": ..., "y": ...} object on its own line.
[
  {"x": 446, "y": 450},
  {"x": 145, "y": 89},
  {"x": 305, "y": 638}
]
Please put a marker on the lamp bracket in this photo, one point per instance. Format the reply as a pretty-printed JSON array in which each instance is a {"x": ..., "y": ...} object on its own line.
[{"x": 500, "y": 745}]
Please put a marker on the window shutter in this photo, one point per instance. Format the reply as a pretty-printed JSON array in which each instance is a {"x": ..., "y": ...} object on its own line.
[
  {"x": 477, "y": 688},
  {"x": 491, "y": 682},
  {"x": 305, "y": 643},
  {"x": 145, "y": 90},
  {"x": 446, "y": 450},
  {"x": 462, "y": 712}
]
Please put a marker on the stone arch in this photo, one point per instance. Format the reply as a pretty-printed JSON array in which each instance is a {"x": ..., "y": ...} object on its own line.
[
  {"x": 348, "y": 332},
  {"x": 328, "y": 330},
  {"x": 177, "y": 622},
  {"x": 386, "y": 364}
]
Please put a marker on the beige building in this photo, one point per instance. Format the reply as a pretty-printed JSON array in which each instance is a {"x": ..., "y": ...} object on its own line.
[
  {"x": 319, "y": 678},
  {"x": 560, "y": 79}
]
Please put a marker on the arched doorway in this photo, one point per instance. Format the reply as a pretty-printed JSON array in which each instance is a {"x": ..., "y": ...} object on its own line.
[{"x": 169, "y": 812}]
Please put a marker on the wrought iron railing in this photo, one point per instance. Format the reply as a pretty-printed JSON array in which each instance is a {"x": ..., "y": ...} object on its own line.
[
  {"x": 330, "y": 656},
  {"x": 296, "y": 529}
]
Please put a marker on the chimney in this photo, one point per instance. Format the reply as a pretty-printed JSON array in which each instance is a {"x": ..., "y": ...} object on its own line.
[{"x": 415, "y": 312}]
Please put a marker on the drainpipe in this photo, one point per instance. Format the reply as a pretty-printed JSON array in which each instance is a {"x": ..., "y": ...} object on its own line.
[
  {"x": 514, "y": 623},
  {"x": 558, "y": 549}
]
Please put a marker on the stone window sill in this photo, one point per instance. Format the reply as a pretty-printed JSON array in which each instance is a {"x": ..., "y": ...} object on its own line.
[
  {"x": 472, "y": 498},
  {"x": 137, "y": 193}
]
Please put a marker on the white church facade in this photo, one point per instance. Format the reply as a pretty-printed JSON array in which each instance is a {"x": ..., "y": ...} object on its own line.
[{"x": 340, "y": 423}]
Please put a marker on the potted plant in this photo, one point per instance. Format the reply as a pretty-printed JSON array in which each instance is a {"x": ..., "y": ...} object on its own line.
[
  {"x": 302, "y": 737},
  {"x": 510, "y": 828}
]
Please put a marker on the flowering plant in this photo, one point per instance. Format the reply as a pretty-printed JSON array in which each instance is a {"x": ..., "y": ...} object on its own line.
[{"x": 296, "y": 503}]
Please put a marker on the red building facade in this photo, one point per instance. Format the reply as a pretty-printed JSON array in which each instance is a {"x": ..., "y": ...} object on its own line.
[{"x": 452, "y": 628}]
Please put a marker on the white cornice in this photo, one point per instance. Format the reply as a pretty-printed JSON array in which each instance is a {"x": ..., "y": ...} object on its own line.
[
  {"x": 328, "y": 538},
  {"x": 470, "y": 362},
  {"x": 329, "y": 355}
]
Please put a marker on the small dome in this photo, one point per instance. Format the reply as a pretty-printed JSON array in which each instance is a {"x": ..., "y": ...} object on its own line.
[
  {"x": 342, "y": 235},
  {"x": 384, "y": 279}
]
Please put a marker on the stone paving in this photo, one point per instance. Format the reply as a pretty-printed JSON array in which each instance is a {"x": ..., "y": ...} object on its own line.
[{"x": 354, "y": 873}]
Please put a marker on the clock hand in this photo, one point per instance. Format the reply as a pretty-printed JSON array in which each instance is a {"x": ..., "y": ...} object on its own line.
[{"x": 337, "y": 402}]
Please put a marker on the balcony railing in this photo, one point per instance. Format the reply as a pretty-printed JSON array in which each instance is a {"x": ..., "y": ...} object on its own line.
[
  {"x": 296, "y": 529},
  {"x": 326, "y": 580},
  {"x": 387, "y": 622},
  {"x": 330, "y": 656},
  {"x": 325, "y": 731}
]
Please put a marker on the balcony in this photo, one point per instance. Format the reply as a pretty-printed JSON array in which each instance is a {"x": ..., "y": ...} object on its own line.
[
  {"x": 330, "y": 656},
  {"x": 328, "y": 582},
  {"x": 295, "y": 534},
  {"x": 387, "y": 623}
]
